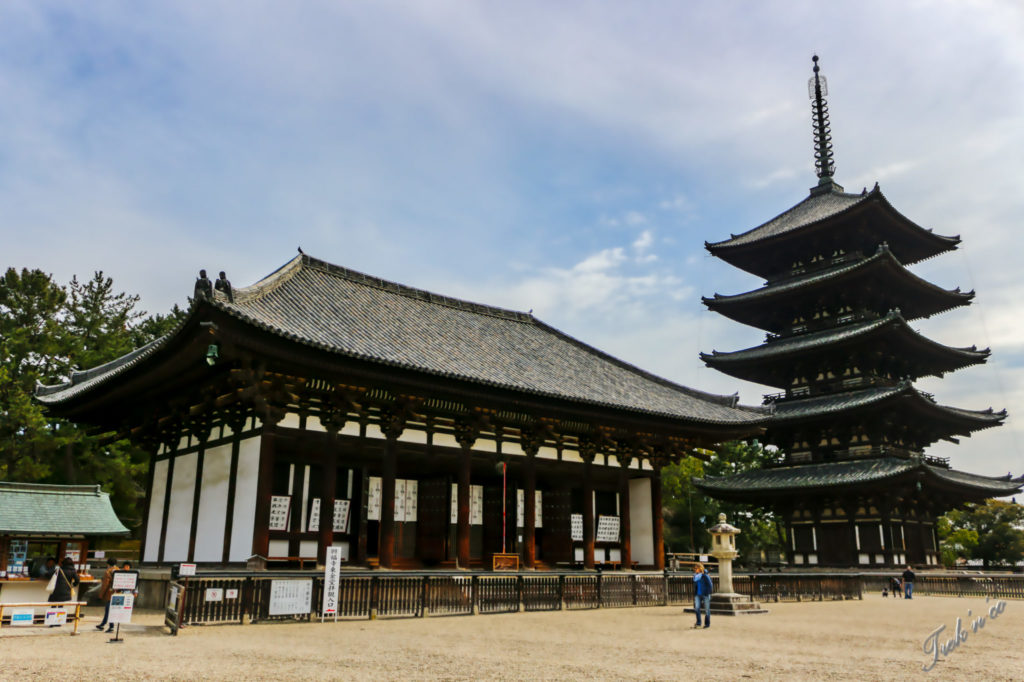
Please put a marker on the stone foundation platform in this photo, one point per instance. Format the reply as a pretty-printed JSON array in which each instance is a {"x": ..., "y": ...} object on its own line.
[{"x": 732, "y": 604}]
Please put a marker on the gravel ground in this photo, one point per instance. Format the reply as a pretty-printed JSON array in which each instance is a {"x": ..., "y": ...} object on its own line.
[{"x": 873, "y": 639}]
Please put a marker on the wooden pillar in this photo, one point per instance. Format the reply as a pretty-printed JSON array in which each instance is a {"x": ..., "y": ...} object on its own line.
[
  {"x": 588, "y": 507},
  {"x": 264, "y": 489},
  {"x": 462, "y": 520},
  {"x": 658, "y": 522},
  {"x": 466, "y": 434},
  {"x": 387, "y": 502},
  {"x": 627, "y": 555},
  {"x": 530, "y": 509},
  {"x": 327, "y": 495}
]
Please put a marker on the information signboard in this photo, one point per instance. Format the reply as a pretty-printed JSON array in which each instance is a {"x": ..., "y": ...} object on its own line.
[
  {"x": 411, "y": 496},
  {"x": 332, "y": 572},
  {"x": 476, "y": 505},
  {"x": 121, "y": 608},
  {"x": 290, "y": 597},
  {"x": 399, "y": 505},
  {"x": 279, "y": 508},
  {"x": 56, "y": 616},
  {"x": 214, "y": 594},
  {"x": 21, "y": 615},
  {"x": 128, "y": 581}
]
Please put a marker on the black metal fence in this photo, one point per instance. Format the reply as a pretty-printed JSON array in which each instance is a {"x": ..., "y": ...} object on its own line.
[
  {"x": 249, "y": 596},
  {"x": 258, "y": 596}
]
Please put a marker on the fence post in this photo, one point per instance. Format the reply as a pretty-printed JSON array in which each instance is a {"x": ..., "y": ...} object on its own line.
[
  {"x": 520, "y": 590},
  {"x": 600, "y": 582},
  {"x": 373, "y": 598},
  {"x": 474, "y": 592},
  {"x": 561, "y": 592},
  {"x": 423, "y": 597},
  {"x": 632, "y": 587},
  {"x": 664, "y": 597}
]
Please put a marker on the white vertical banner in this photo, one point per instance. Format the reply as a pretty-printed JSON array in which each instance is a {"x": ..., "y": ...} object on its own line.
[
  {"x": 314, "y": 516},
  {"x": 399, "y": 502},
  {"x": 332, "y": 573},
  {"x": 280, "y": 505},
  {"x": 340, "y": 520},
  {"x": 476, "y": 505},
  {"x": 520, "y": 512},
  {"x": 455, "y": 503},
  {"x": 537, "y": 507},
  {"x": 373, "y": 499},
  {"x": 412, "y": 491}
]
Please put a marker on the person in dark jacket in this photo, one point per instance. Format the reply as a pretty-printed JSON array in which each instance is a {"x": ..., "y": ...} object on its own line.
[
  {"x": 701, "y": 594},
  {"x": 908, "y": 583},
  {"x": 67, "y": 579}
]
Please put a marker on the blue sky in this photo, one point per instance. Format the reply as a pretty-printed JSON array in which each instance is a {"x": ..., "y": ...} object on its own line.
[{"x": 569, "y": 158}]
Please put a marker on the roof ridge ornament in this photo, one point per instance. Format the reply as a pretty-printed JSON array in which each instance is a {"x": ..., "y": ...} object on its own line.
[{"x": 817, "y": 90}]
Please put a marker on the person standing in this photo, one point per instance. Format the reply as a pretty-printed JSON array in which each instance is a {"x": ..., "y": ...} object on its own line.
[
  {"x": 701, "y": 594},
  {"x": 106, "y": 591},
  {"x": 908, "y": 583}
]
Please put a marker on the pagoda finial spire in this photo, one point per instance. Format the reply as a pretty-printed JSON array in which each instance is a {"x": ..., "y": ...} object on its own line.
[{"x": 817, "y": 90}]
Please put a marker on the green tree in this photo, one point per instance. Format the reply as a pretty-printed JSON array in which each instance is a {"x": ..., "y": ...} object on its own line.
[
  {"x": 46, "y": 331},
  {"x": 990, "y": 531},
  {"x": 688, "y": 513}
]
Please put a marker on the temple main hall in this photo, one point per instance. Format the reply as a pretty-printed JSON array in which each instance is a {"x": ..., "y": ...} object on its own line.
[{"x": 324, "y": 407}]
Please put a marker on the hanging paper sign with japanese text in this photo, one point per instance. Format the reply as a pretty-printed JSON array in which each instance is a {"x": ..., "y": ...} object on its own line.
[
  {"x": 607, "y": 528},
  {"x": 476, "y": 505},
  {"x": 399, "y": 500},
  {"x": 21, "y": 615},
  {"x": 455, "y": 503},
  {"x": 314, "y": 516},
  {"x": 537, "y": 507},
  {"x": 280, "y": 505},
  {"x": 520, "y": 512},
  {"x": 576, "y": 526},
  {"x": 340, "y": 522},
  {"x": 411, "y": 496}
]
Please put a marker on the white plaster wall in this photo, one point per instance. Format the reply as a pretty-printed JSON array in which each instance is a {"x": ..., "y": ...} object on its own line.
[
  {"x": 413, "y": 436},
  {"x": 547, "y": 452},
  {"x": 179, "y": 515},
  {"x": 313, "y": 423},
  {"x": 350, "y": 429},
  {"x": 156, "y": 511},
  {"x": 511, "y": 448},
  {"x": 445, "y": 440},
  {"x": 244, "y": 522},
  {"x": 290, "y": 421},
  {"x": 213, "y": 504},
  {"x": 571, "y": 456},
  {"x": 641, "y": 523}
]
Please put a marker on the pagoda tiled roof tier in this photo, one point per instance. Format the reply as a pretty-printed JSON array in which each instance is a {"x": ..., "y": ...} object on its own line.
[
  {"x": 853, "y": 476},
  {"x": 774, "y": 363},
  {"x": 902, "y": 405},
  {"x": 833, "y": 221},
  {"x": 316, "y": 305},
  {"x": 879, "y": 281}
]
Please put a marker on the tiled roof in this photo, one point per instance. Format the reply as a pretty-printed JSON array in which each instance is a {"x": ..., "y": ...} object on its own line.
[
  {"x": 851, "y": 473},
  {"x": 813, "y": 209},
  {"x": 827, "y": 276},
  {"x": 793, "y": 345},
  {"x": 56, "y": 510},
  {"x": 820, "y": 406},
  {"x": 320, "y": 305}
]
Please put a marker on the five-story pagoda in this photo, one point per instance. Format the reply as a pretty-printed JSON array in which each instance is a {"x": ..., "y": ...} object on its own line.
[{"x": 854, "y": 486}]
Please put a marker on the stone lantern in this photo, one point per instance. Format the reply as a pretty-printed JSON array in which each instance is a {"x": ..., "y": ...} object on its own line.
[{"x": 723, "y": 547}]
